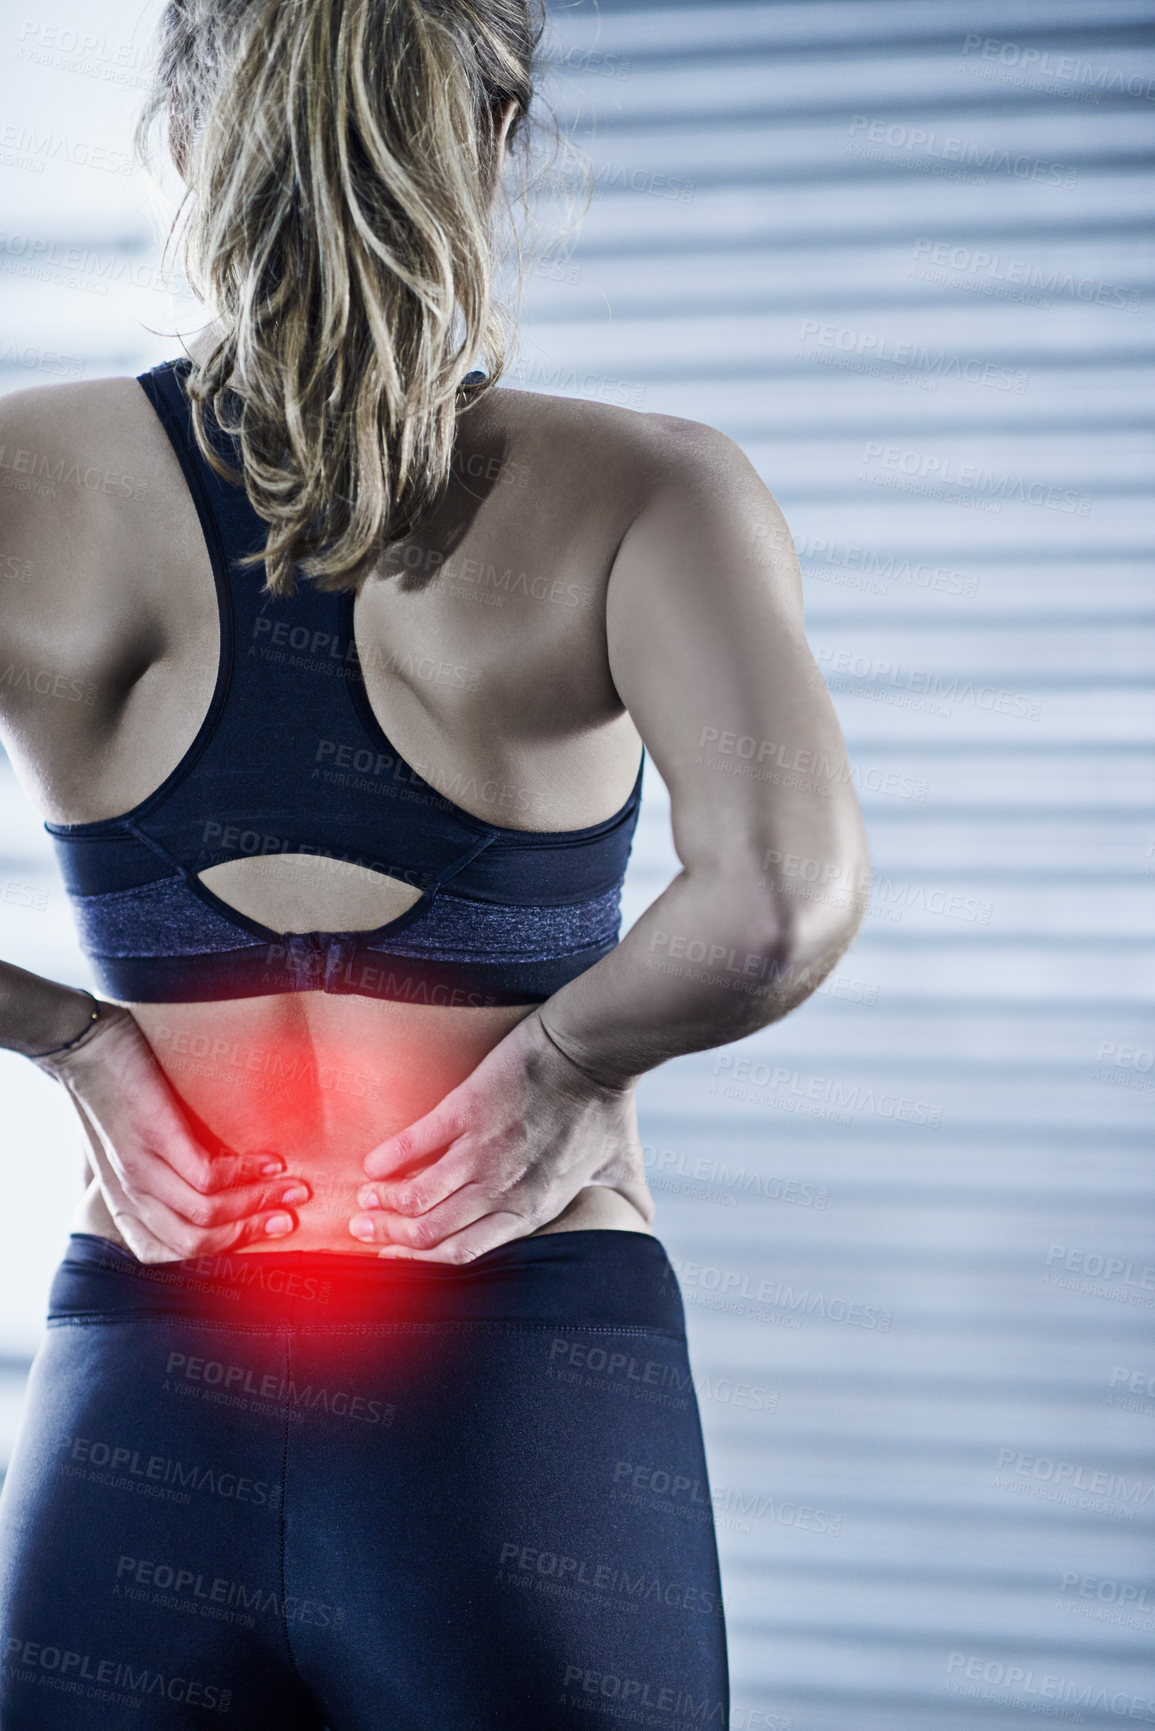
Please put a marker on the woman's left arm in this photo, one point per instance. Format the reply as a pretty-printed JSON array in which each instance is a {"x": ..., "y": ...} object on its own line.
[{"x": 708, "y": 653}]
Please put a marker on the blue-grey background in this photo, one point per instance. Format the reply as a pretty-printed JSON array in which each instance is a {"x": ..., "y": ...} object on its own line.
[{"x": 899, "y": 251}]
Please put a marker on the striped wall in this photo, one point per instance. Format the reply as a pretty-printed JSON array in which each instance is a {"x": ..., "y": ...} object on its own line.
[{"x": 900, "y": 251}]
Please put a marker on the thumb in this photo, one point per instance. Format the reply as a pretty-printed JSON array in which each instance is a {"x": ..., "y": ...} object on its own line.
[{"x": 416, "y": 1145}]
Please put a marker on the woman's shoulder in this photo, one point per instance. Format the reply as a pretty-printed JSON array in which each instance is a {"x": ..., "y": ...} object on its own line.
[
  {"x": 605, "y": 462},
  {"x": 625, "y": 466},
  {"x": 65, "y": 410},
  {"x": 79, "y": 442},
  {"x": 605, "y": 432},
  {"x": 66, "y": 448},
  {"x": 83, "y": 509}
]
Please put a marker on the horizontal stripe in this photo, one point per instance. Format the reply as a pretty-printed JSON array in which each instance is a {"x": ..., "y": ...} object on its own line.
[
  {"x": 458, "y": 930},
  {"x": 159, "y": 919},
  {"x": 168, "y": 918}
]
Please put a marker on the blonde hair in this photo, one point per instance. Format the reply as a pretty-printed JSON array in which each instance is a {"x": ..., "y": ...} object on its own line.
[{"x": 339, "y": 158}]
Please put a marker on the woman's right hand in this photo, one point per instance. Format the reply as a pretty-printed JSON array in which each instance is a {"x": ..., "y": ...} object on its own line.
[{"x": 168, "y": 1196}]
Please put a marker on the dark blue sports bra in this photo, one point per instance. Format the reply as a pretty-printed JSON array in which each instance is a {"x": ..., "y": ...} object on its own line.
[{"x": 290, "y": 759}]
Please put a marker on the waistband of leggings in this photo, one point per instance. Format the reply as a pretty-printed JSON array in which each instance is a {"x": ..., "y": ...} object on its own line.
[{"x": 598, "y": 1278}]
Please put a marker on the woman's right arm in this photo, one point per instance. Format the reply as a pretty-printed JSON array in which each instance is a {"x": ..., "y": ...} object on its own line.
[{"x": 168, "y": 1196}]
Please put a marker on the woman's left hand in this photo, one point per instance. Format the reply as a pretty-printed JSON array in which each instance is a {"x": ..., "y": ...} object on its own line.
[{"x": 502, "y": 1154}]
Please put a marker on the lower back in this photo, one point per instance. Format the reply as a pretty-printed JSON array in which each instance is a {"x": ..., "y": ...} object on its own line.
[{"x": 320, "y": 1080}]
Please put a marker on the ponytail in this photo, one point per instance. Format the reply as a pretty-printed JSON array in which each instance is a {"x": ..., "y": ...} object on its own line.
[{"x": 339, "y": 159}]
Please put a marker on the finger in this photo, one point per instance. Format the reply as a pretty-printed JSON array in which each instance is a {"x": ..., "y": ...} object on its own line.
[
  {"x": 169, "y": 1139},
  {"x": 414, "y": 1146},
  {"x": 149, "y": 1175},
  {"x": 195, "y": 1165},
  {"x": 263, "y": 1229},
  {"x": 424, "y": 1190},
  {"x": 156, "y": 1233},
  {"x": 189, "y": 1240},
  {"x": 466, "y": 1205},
  {"x": 487, "y": 1233},
  {"x": 228, "y": 1170},
  {"x": 212, "y": 1174}
]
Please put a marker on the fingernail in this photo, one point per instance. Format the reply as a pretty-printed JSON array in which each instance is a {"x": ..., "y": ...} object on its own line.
[
  {"x": 271, "y": 1168},
  {"x": 367, "y": 1199},
  {"x": 297, "y": 1193},
  {"x": 278, "y": 1224},
  {"x": 361, "y": 1226}
]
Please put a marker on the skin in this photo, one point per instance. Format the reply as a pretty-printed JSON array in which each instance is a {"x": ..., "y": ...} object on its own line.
[{"x": 671, "y": 613}]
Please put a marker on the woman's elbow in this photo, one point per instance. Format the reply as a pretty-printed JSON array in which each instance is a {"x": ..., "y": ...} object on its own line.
[{"x": 811, "y": 909}]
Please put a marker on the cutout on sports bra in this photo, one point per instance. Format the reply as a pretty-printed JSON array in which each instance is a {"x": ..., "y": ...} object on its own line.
[{"x": 297, "y": 892}]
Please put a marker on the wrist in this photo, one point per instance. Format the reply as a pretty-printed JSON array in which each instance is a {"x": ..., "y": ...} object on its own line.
[
  {"x": 53, "y": 1020},
  {"x": 57, "y": 1060},
  {"x": 599, "y": 1074}
]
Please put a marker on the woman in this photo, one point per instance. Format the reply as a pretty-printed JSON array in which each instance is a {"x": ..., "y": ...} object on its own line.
[{"x": 363, "y": 1360}]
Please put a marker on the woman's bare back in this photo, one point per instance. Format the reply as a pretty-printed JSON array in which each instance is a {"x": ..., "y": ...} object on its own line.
[{"x": 485, "y": 662}]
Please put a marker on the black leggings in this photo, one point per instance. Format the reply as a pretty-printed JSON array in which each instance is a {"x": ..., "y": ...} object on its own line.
[{"x": 300, "y": 1490}]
